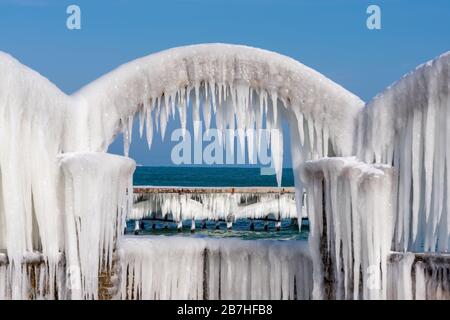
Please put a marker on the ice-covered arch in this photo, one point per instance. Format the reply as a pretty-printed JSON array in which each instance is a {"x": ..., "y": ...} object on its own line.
[
  {"x": 42, "y": 181},
  {"x": 240, "y": 85}
]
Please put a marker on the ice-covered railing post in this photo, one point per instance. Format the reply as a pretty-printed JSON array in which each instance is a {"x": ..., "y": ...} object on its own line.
[
  {"x": 97, "y": 198},
  {"x": 350, "y": 212}
]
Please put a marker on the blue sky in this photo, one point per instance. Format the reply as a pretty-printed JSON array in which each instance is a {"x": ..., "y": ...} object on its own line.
[{"x": 327, "y": 35}]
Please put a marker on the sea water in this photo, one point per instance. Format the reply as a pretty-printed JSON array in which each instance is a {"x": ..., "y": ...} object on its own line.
[{"x": 209, "y": 177}]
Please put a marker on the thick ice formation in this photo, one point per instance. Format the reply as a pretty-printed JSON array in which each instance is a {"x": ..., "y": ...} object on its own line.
[
  {"x": 408, "y": 126},
  {"x": 162, "y": 267},
  {"x": 281, "y": 207},
  {"x": 242, "y": 86},
  {"x": 213, "y": 206},
  {"x": 97, "y": 197},
  {"x": 178, "y": 207},
  {"x": 32, "y": 113},
  {"x": 419, "y": 276},
  {"x": 350, "y": 214}
]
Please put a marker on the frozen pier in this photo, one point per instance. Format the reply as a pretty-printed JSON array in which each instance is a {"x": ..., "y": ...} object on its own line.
[{"x": 177, "y": 204}]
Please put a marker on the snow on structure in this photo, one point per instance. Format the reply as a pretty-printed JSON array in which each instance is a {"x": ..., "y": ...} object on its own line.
[
  {"x": 97, "y": 197},
  {"x": 408, "y": 126},
  {"x": 174, "y": 267},
  {"x": 350, "y": 214}
]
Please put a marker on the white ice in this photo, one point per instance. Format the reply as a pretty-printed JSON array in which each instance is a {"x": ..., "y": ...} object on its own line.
[{"x": 161, "y": 267}]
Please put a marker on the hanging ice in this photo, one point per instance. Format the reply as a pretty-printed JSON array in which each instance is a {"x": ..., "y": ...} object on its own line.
[
  {"x": 213, "y": 206},
  {"x": 350, "y": 213},
  {"x": 93, "y": 223},
  {"x": 155, "y": 268},
  {"x": 408, "y": 126}
]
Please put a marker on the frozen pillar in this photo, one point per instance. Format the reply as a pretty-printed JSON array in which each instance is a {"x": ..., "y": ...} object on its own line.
[
  {"x": 180, "y": 226},
  {"x": 192, "y": 225},
  {"x": 350, "y": 216},
  {"x": 93, "y": 219}
]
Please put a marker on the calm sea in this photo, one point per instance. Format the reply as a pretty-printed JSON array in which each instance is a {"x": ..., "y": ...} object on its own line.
[{"x": 209, "y": 177}]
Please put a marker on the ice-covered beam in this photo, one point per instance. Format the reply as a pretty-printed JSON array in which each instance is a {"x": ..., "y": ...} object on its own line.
[
  {"x": 200, "y": 190},
  {"x": 350, "y": 216},
  {"x": 33, "y": 257},
  {"x": 419, "y": 276}
]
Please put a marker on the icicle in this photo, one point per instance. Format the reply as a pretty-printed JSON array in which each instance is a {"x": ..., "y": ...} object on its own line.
[
  {"x": 236, "y": 269},
  {"x": 141, "y": 121},
  {"x": 149, "y": 125}
]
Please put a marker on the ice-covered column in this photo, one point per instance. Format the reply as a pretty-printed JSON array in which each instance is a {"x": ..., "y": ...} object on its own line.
[
  {"x": 98, "y": 196},
  {"x": 350, "y": 212}
]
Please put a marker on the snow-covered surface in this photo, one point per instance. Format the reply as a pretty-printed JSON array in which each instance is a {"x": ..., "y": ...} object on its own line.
[{"x": 159, "y": 267}]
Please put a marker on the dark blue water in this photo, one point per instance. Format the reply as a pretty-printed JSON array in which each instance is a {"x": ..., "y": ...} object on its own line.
[
  {"x": 209, "y": 177},
  {"x": 241, "y": 229}
]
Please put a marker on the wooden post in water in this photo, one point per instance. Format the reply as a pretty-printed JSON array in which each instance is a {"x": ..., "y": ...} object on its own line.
[
  {"x": 278, "y": 225},
  {"x": 136, "y": 227},
  {"x": 278, "y": 222}
]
